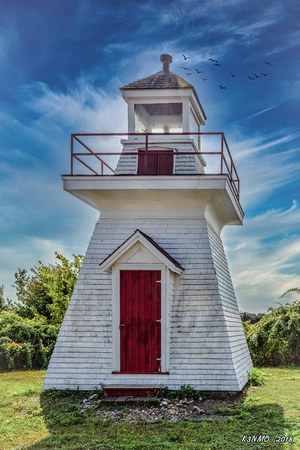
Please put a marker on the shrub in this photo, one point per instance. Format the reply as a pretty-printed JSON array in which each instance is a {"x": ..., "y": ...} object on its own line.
[
  {"x": 275, "y": 339},
  {"x": 25, "y": 343}
]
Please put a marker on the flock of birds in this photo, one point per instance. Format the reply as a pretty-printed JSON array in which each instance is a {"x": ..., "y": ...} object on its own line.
[{"x": 215, "y": 62}]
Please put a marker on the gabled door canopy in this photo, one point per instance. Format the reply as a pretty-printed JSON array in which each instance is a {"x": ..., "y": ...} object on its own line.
[{"x": 150, "y": 245}]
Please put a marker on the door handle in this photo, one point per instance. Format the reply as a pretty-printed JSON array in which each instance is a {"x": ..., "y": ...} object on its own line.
[{"x": 121, "y": 326}]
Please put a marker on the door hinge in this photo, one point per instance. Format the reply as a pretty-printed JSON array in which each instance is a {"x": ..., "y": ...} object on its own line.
[
  {"x": 158, "y": 320},
  {"x": 159, "y": 281}
]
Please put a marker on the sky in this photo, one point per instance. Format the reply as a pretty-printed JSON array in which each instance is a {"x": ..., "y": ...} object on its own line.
[{"x": 61, "y": 66}]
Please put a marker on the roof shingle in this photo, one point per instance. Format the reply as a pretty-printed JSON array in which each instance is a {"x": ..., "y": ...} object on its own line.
[{"x": 159, "y": 80}]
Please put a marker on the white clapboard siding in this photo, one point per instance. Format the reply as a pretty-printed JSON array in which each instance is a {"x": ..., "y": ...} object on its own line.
[
  {"x": 206, "y": 346},
  {"x": 240, "y": 353}
]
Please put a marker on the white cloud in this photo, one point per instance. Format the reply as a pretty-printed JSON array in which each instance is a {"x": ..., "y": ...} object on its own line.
[
  {"x": 265, "y": 163},
  {"x": 263, "y": 111},
  {"x": 264, "y": 257},
  {"x": 47, "y": 248},
  {"x": 82, "y": 107}
]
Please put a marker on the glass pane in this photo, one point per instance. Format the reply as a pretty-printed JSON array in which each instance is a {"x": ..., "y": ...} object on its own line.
[{"x": 158, "y": 118}]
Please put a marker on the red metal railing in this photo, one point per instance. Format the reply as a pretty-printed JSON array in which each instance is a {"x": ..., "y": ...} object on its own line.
[{"x": 227, "y": 165}]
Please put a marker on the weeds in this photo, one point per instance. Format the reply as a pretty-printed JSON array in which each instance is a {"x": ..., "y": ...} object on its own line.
[
  {"x": 256, "y": 377},
  {"x": 185, "y": 392}
]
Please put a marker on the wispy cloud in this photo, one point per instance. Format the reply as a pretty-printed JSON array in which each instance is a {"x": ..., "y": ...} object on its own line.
[
  {"x": 82, "y": 105},
  {"x": 265, "y": 163},
  {"x": 264, "y": 257},
  {"x": 263, "y": 111},
  {"x": 8, "y": 41}
]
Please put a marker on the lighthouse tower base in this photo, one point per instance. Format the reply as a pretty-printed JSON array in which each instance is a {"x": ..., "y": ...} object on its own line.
[{"x": 202, "y": 338}]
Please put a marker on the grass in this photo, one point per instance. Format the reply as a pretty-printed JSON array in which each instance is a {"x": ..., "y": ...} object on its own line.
[{"x": 32, "y": 419}]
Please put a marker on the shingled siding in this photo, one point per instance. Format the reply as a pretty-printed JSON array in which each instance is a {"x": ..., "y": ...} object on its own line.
[
  {"x": 184, "y": 164},
  {"x": 239, "y": 349},
  {"x": 201, "y": 329}
]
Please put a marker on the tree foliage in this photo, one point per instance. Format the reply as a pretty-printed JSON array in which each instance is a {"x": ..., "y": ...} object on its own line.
[
  {"x": 47, "y": 290},
  {"x": 251, "y": 317},
  {"x": 275, "y": 339},
  {"x": 29, "y": 328},
  {"x": 59, "y": 281},
  {"x": 25, "y": 343}
]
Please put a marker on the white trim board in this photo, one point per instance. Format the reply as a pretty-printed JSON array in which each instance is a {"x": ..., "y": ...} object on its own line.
[{"x": 149, "y": 248}]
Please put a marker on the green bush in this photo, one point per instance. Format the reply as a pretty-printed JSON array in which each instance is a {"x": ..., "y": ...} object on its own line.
[
  {"x": 25, "y": 343},
  {"x": 29, "y": 327},
  {"x": 275, "y": 339}
]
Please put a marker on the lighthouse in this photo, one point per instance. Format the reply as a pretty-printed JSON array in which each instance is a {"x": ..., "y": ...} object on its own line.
[{"x": 154, "y": 305}]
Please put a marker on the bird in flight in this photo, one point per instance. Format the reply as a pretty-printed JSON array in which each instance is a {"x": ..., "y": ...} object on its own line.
[
  {"x": 188, "y": 73},
  {"x": 222, "y": 87},
  {"x": 185, "y": 68},
  {"x": 268, "y": 63},
  {"x": 232, "y": 74},
  {"x": 204, "y": 79},
  {"x": 251, "y": 78},
  {"x": 199, "y": 71},
  {"x": 185, "y": 57},
  {"x": 217, "y": 64},
  {"x": 257, "y": 76},
  {"x": 213, "y": 60},
  {"x": 264, "y": 74}
]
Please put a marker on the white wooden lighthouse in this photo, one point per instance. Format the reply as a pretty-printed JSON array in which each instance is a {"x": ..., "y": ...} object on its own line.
[{"x": 154, "y": 303}]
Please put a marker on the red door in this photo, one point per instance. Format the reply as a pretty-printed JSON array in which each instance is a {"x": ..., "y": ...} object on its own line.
[
  {"x": 140, "y": 327},
  {"x": 155, "y": 163}
]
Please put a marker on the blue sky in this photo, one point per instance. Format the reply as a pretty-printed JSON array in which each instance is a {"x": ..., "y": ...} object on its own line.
[{"x": 61, "y": 66}]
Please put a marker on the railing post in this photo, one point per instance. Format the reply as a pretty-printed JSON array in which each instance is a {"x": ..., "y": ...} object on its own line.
[
  {"x": 222, "y": 152},
  {"x": 146, "y": 143},
  {"x": 71, "y": 154}
]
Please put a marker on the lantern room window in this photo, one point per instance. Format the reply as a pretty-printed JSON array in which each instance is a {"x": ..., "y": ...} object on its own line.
[{"x": 158, "y": 118}]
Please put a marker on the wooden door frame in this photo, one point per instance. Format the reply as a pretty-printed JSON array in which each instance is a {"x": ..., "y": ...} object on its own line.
[{"x": 165, "y": 294}]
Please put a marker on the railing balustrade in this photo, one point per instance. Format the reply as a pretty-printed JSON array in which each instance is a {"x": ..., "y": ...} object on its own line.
[{"x": 227, "y": 165}]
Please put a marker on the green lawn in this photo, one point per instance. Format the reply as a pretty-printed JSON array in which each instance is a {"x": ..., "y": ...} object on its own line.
[{"x": 32, "y": 419}]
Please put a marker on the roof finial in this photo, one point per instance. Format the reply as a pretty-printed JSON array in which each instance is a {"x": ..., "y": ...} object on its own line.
[{"x": 166, "y": 60}]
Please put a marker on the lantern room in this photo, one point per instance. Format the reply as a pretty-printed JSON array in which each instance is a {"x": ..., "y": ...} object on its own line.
[
  {"x": 163, "y": 103},
  {"x": 166, "y": 108}
]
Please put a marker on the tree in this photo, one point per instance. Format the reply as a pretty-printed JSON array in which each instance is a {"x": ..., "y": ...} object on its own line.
[
  {"x": 47, "y": 290},
  {"x": 59, "y": 281},
  {"x": 5, "y": 305},
  {"x": 31, "y": 294}
]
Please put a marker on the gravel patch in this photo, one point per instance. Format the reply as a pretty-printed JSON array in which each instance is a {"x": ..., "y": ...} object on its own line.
[{"x": 134, "y": 409}]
